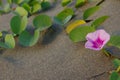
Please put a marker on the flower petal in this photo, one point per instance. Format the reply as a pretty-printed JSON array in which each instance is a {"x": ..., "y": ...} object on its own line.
[
  {"x": 90, "y": 45},
  {"x": 103, "y": 35},
  {"x": 92, "y": 36},
  {"x": 97, "y": 39}
]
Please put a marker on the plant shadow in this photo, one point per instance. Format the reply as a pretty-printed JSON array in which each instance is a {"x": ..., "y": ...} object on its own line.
[{"x": 51, "y": 34}]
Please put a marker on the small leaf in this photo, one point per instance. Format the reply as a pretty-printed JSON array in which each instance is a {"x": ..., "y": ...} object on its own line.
[
  {"x": 1, "y": 12},
  {"x": 45, "y": 5},
  {"x": 18, "y": 24},
  {"x": 24, "y": 21},
  {"x": 42, "y": 22},
  {"x": 90, "y": 11},
  {"x": 114, "y": 76},
  {"x": 118, "y": 78},
  {"x": 80, "y": 3},
  {"x": 114, "y": 41},
  {"x": 26, "y": 1},
  {"x": 118, "y": 69},
  {"x": 67, "y": 19},
  {"x": 74, "y": 24},
  {"x": 9, "y": 1},
  {"x": 9, "y": 41},
  {"x": 116, "y": 63},
  {"x": 79, "y": 33},
  {"x": 99, "y": 21},
  {"x": 17, "y": 1},
  {"x": 0, "y": 2},
  {"x": 6, "y": 8},
  {"x": 65, "y": 2},
  {"x": 21, "y": 11},
  {"x": 36, "y": 7},
  {"x": 64, "y": 16},
  {"x": 26, "y": 7},
  {"x": 1, "y": 34},
  {"x": 3, "y": 45},
  {"x": 28, "y": 39}
]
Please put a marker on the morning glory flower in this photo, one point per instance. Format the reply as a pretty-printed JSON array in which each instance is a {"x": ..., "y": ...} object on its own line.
[{"x": 96, "y": 40}]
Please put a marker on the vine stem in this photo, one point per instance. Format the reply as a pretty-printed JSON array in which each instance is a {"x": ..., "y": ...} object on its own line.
[
  {"x": 97, "y": 75},
  {"x": 105, "y": 52},
  {"x": 100, "y": 2}
]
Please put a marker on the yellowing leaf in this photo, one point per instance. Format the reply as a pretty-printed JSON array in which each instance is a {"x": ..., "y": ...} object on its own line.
[{"x": 73, "y": 25}]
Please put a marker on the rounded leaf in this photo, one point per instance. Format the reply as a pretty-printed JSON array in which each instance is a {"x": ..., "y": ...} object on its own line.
[
  {"x": 64, "y": 16},
  {"x": 42, "y": 22},
  {"x": 80, "y": 3},
  {"x": 99, "y": 21},
  {"x": 28, "y": 39},
  {"x": 17, "y": 1},
  {"x": 36, "y": 7},
  {"x": 114, "y": 41},
  {"x": 18, "y": 24},
  {"x": 90, "y": 11},
  {"x": 114, "y": 76},
  {"x": 9, "y": 41},
  {"x": 65, "y": 2},
  {"x": 26, "y": 7},
  {"x": 1, "y": 34},
  {"x": 79, "y": 33},
  {"x": 21, "y": 11},
  {"x": 45, "y": 5}
]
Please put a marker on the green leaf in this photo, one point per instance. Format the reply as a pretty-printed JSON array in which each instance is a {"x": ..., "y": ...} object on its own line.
[
  {"x": 26, "y": 7},
  {"x": 0, "y": 2},
  {"x": 114, "y": 76},
  {"x": 1, "y": 12},
  {"x": 42, "y": 22},
  {"x": 64, "y": 16},
  {"x": 45, "y": 5},
  {"x": 6, "y": 8},
  {"x": 32, "y": 2},
  {"x": 26, "y": 1},
  {"x": 80, "y": 3},
  {"x": 9, "y": 42},
  {"x": 114, "y": 41},
  {"x": 99, "y": 21},
  {"x": 118, "y": 78},
  {"x": 28, "y": 39},
  {"x": 17, "y": 1},
  {"x": 9, "y": 1},
  {"x": 24, "y": 21},
  {"x": 65, "y": 2},
  {"x": 21, "y": 11},
  {"x": 36, "y": 7},
  {"x": 116, "y": 63},
  {"x": 18, "y": 24},
  {"x": 1, "y": 34},
  {"x": 79, "y": 33},
  {"x": 90, "y": 11},
  {"x": 3, "y": 45}
]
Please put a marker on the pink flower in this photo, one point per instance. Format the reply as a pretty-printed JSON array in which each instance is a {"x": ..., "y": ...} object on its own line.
[{"x": 97, "y": 39}]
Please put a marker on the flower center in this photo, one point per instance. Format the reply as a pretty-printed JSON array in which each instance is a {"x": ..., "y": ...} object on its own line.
[{"x": 98, "y": 43}]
